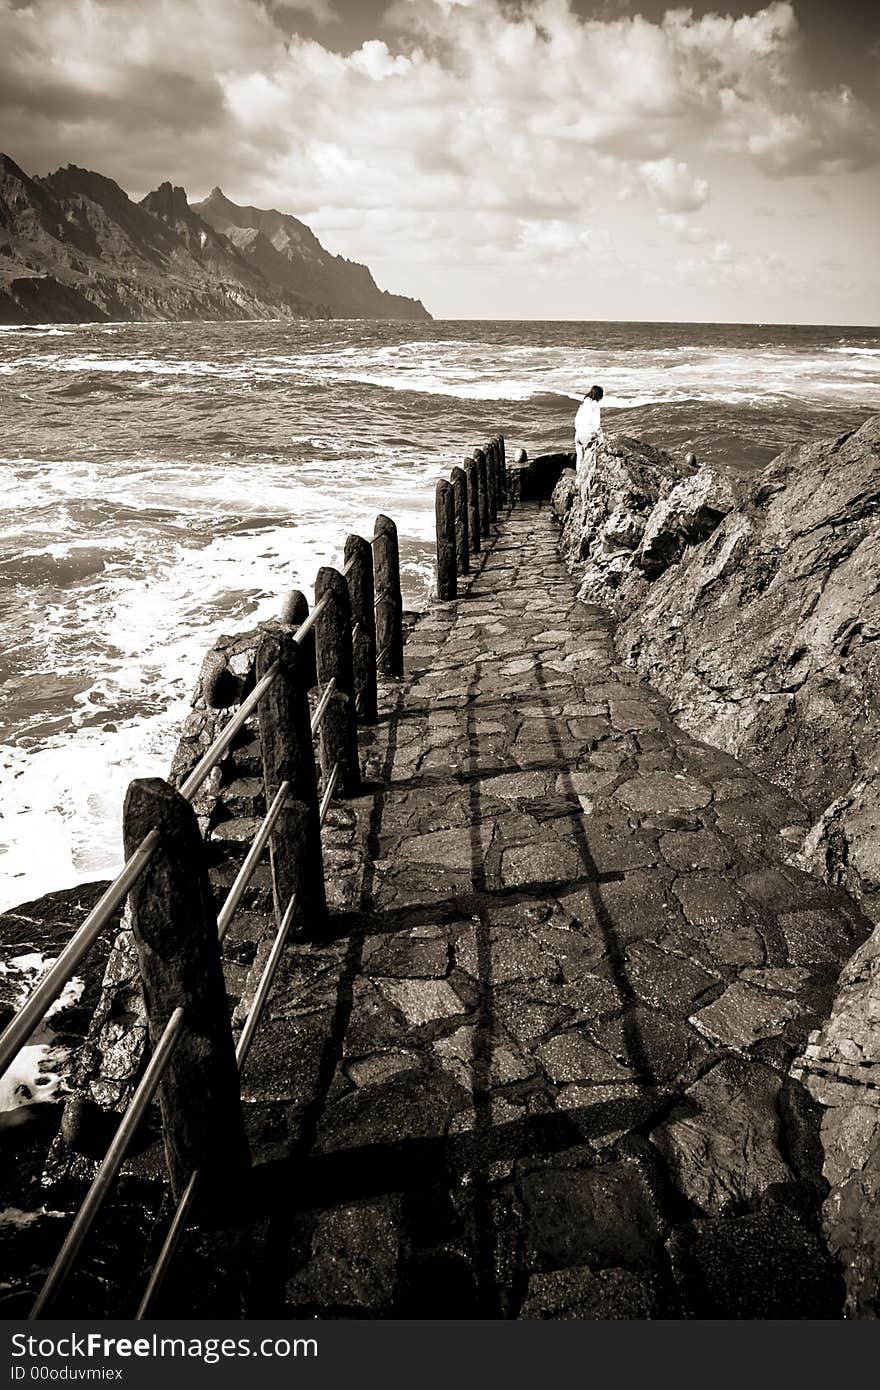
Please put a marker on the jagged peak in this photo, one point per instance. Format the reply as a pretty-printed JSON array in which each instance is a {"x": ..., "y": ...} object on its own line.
[{"x": 168, "y": 201}]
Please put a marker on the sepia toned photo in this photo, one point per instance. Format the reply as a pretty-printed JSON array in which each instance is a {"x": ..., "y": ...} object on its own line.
[{"x": 439, "y": 687}]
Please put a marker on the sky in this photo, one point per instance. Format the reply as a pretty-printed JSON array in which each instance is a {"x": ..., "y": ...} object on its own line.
[{"x": 496, "y": 158}]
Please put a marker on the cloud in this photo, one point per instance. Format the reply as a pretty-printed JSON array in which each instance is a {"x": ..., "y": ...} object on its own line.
[
  {"x": 456, "y": 111},
  {"x": 673, "y": 187}
]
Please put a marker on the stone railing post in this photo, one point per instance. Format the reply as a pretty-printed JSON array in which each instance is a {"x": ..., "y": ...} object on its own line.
[
  {"x": 363, "y": 616},
  {"x": 492, "y": 478},
  {"x": 460, "y": 506},
  {"x": 333, "y": 646},
  {"x": 175, "y": 933},
  {"x": 389, "y": 602},
  {"x": 473, "y": 502},
  {"x": 444, "y": 514},
  {"x": 289, "y": 756},
  {"x": 502, "y": 462},
  {"x": 483, "y": 489},
  {"x": 294, "y": 611}
]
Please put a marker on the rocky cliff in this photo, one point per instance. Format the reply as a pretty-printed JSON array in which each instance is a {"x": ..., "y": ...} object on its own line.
[
  {"x": 74, "y": 247},
  {"x": 757, "y": 611},
  {"x": 288, "y": 254}
]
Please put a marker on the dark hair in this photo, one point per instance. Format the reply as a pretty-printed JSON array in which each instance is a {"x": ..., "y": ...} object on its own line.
[{"x": 596, "y": 393}]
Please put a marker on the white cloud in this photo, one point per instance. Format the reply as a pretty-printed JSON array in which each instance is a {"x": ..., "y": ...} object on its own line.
[
  {"x": 525, "y": 113},
  {"x": 672, "y": 185}
]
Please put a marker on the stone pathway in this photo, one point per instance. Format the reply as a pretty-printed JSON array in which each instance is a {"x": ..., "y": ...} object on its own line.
[{"x": 542, "y": 1068}]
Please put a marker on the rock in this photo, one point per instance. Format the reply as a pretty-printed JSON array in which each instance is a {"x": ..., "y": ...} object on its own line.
[
  {"x": 689, "y": 514},
  {"x": 743, "y": 1015},
  {"x": 604, "y": 1215},
  {"x": 722, "y": 1145},
  {"x": 762, "y": 1266},
  {"x": 605, "y": 517},
  {"x": 579, "y": 1293},
  {"x": 763, "y": 634},
  {"x": 840, "y": 1067},
  {"x": 352, "y": 1261},
  {"x": 564, "y": 494}
]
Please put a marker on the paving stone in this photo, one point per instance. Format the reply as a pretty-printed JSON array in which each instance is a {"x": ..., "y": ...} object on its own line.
[
  {"x": 454, "y": 849},
  {"x": 663, "y": 791},
  {"x": 654, "y": 1046},
  {"x": 380, "y": 1066},
  {"x": 722, "y": 1146},
  {"x": 539, "y": 862},
  {"x": 514, "y": 785},
  {"x": 409, "y": 1105},
  {"x": 604, "y": 1215},
  {"x": 579, "y": 1293},
  {"x": 501, "y": 954},
  {"x": 407, "y": 958},
  {"x": 353, "y": 1259},
  {"x": 422, "y": 1001},
  {"x": 765, "y": 1266},
  {"x": 782, "y": 979},
  {"x": 743, "y": 1015},
  {"x": 639, "y": 908},
  {"x": 574, "y": 1056},
  {"x": 694, "y": 849},
  {"x": 670, "y": 982},
  {"x": 815, "y": 935},
  {"x": 472, "y": 1055}
]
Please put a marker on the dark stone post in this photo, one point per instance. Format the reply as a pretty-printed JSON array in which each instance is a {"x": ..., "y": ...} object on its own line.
[
  {"x": 389, "y": 603},
  {"x": 444, "y": 514},
  {"x": 289, "y": 756},
  {"x": 483, "y": 486},
  {"x": 502, "y": 467},
  {"x": 294, "y": 611},
  {"x": 363, "y": 614},
  {"x": 473, "y": 501},
  {"x": 339, "y": 738},
  {"x": 175, "y": 932},
  {"x": 492, "y": 478},
  {"x": 460, "y": 504}
]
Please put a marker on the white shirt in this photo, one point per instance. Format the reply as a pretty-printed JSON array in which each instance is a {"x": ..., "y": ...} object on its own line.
[{"x": 586, "y": 422}]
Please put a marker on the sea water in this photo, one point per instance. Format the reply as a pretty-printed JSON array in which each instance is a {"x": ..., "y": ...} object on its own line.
[{"x": 166, "y": 483}]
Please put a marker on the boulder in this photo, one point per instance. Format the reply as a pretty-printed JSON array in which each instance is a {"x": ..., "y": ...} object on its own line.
[
  {"x": 620, "y": 483},
  {"x": 689, "y": 514}
]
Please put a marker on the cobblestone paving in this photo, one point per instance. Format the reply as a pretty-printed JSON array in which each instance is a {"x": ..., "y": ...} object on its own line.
[{"x": 541, "y": 1069}]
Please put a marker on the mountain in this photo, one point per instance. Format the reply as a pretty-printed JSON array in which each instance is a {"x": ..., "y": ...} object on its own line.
[
  {"x": 74, "y": 247},
  {"x": 288, "y": 254}
]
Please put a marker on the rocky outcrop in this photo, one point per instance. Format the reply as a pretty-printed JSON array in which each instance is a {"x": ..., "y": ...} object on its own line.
[
  {"x": 759, "y": 616},
  {"x": 606, "y": 514},
  {"x": 288, "y": 254},
  {"x": 686, "y": 516},
  {"x": 74, "y": 247}
]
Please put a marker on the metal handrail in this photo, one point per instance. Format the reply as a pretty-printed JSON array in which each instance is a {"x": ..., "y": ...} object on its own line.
[
  {"x": 47, "y": 991},
  {"x": 224, "y": 739},
  {"x": 308, "y": 623},
  {"x": 321, "y": 707},
  {"x": 62, "y": 970},
  {"x": 252, "y": 859},
  {"x": 255, "y": 1013},
  {"x": 85, "y": 1217}
]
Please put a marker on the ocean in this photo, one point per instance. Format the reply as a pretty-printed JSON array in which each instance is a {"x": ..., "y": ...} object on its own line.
[{"x": 164, "y": 483}]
